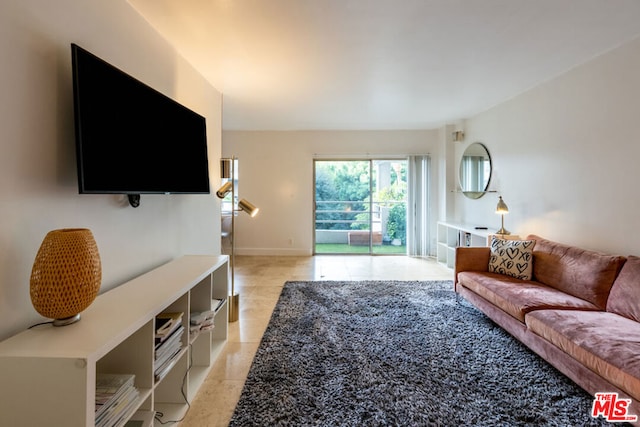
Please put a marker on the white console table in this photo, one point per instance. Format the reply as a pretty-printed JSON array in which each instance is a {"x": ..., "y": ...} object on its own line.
[
  {"x": 452, "y": 235},
  {"x": 48, "y": 374}
]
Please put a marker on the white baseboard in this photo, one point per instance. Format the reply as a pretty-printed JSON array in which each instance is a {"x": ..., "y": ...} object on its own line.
[{"x": 273, "y": 252}]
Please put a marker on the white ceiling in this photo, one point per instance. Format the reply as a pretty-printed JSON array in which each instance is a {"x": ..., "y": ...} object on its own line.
[{"x": 382, "y": 64}]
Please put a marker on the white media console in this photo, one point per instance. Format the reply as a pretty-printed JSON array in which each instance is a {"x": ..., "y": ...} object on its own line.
[
  {"x": 48, "y": 374},
  {"x": 452, "y": 235}
]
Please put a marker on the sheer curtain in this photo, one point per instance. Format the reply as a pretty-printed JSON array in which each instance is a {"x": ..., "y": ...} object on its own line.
[{"x": 418, "y": 206}]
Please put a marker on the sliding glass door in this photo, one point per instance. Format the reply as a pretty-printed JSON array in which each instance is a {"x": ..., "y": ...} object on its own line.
[
  {"x": 360, "y": 206},
  {"x": 389, "y": 203}
]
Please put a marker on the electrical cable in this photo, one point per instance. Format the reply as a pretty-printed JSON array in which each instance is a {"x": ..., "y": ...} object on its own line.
[
  {"x": 158, "y": 415},
  {"x": 41, "y": 323}
]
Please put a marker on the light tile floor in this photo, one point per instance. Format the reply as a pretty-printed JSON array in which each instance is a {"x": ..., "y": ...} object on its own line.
[{"x": 259, "y": 280}]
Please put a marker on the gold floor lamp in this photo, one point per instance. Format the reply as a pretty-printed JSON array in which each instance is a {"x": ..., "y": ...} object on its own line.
[{"x": 227, "y": 171}]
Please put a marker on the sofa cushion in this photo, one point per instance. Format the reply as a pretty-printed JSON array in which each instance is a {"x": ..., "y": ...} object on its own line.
[
  {"x": 512, "y": 257},
  {"x": 606, "y": 343},
  {"x": 581, "y": 273},
  {"x": 624, "y": 298},
  {"x": 518, "y": 297}
]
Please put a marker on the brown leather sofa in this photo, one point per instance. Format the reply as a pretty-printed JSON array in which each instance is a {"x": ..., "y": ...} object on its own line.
[{"x": 580, "y": 311}]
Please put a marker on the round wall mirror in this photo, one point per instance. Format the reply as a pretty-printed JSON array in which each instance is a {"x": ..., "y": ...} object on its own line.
[{"x": 475, "y": 170}]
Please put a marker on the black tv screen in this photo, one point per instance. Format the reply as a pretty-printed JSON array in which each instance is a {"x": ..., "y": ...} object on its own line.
[{"x": 132, "y": 139}]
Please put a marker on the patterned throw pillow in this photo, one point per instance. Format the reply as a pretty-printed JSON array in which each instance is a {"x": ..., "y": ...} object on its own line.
[{"x": 512, "y": 257}]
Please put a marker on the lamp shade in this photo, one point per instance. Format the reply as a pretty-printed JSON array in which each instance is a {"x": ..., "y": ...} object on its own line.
[
  {"x": 502, "y": 207},
  {"x": 66, "y": 274},
  {"x": 224, "y": 190},
  {"x": 244, "y": 205}
]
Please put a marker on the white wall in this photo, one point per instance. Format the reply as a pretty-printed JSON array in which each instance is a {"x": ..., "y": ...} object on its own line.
[
  {"x": 566, "y": 156},
  {"x": 38, "y": 187},
  {"x": 276, "y": 174}
]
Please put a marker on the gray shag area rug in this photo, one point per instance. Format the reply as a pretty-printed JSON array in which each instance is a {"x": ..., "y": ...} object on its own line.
[{"x": 393, "y": 353}]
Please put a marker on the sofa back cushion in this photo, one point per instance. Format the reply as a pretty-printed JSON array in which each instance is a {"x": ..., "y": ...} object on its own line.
[
  {"x": 624, "y": 298},
  {"x": 584, "y": 274}
]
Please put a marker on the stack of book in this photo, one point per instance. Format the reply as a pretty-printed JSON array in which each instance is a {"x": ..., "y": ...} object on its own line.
[
  {"x": 169, "y": 330},
  {"x": 201, "y": 322},
  {"x": 116, "y": 399}
]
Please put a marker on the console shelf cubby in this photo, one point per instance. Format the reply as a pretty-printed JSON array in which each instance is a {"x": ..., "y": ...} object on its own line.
[
  {"x": 48, "y": 374},
  {"x": 453, "y": 235}
]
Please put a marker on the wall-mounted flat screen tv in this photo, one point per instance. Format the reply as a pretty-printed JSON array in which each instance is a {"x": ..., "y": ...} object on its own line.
[{"x": 131, "y": 139}]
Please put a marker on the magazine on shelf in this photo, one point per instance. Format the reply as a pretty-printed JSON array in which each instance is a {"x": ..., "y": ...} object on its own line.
[
  {"x": 166, "y": 352},
  {"x": 162, "y": 369},
  {"x": 116, "y": 399},
  {"x": 110, "y": 386},
  {"x": 166, "y": 324},
  {"x": 118, "y": 414},
  {"x": 175, "y": 336}
]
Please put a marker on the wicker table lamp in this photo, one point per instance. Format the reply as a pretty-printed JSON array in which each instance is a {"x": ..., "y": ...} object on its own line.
[{"x": 66, "y": 275}]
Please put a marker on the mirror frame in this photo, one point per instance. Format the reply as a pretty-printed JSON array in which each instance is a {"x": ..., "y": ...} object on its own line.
[{"x": 475, "y": 194}]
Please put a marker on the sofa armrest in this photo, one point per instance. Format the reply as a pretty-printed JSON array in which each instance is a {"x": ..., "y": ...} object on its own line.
[{"x": 471, "y": 259}]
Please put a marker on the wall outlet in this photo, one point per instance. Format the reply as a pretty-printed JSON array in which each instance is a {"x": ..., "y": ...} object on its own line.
[{"x": 290, "y": 241}]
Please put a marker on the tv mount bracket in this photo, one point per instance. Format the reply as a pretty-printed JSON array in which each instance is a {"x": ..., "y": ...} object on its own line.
[{"x": 134, "y": 200}]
